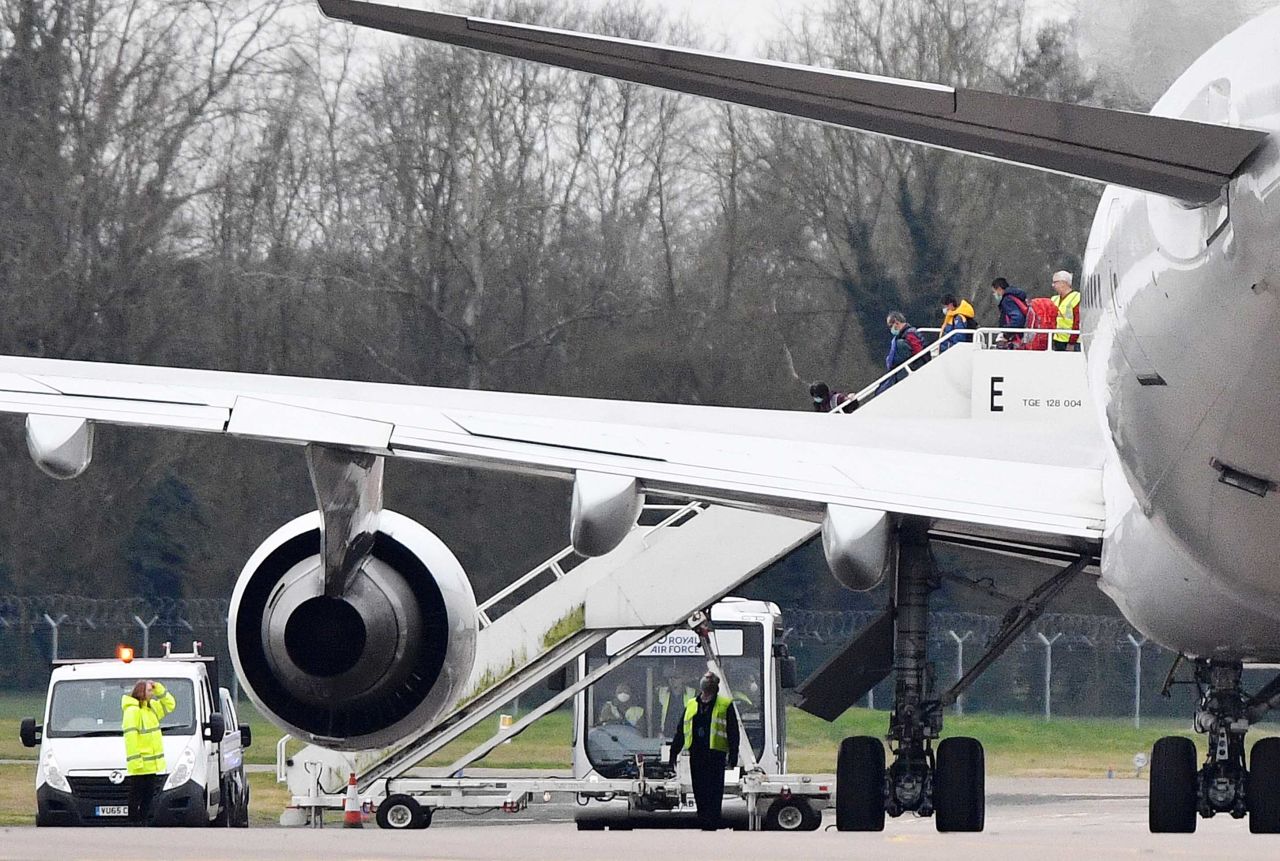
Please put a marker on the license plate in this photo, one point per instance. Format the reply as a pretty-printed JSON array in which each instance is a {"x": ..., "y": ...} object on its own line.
[{"x": 112, "y": 810}]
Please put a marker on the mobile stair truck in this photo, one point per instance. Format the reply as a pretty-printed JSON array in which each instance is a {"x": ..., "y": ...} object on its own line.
[
  {"x": 80, "y": 778},
  {"x": 625, "y": 630}
]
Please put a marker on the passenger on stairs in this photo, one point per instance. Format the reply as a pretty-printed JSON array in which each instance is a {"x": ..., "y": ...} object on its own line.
[
  {"x": 1011, "y": 302},
  {"x": 904, "y": 342},
  {"x": 957, "y": 315},
  {"x": 826, "y": 401}
]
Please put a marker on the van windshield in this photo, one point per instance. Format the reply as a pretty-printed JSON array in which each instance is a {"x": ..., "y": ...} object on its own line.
[
  {"x": 83, "y": 708},
  {"x": 639, "y": 706}
]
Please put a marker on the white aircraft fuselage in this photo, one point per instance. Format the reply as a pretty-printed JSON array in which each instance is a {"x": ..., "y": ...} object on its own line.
[{"x": 1180, "y": 309}]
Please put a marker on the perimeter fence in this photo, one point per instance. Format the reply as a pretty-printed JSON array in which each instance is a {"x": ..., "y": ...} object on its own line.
[{"x": 1065, "y": 664}]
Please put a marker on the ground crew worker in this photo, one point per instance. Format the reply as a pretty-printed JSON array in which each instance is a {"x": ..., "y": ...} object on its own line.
[
  {"x": 710, "y": 729},
  {"x": 1068, "y": 304},
  {"x": 142, "y": 709}
]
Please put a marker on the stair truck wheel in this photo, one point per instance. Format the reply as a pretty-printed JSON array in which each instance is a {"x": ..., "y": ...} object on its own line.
[
  {"x": 1171, "y": 805},
  {"x": 860, "y": 784},
  {"x": 960, "y": 785},
  {"x": 791, "y": 814},
  {"x": 1262, "y": 788},
  {"x": 400, "y": 813}
]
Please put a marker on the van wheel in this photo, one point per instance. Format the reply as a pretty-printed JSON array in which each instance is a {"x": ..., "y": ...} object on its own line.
[
  {"x": 401, "y": 813},
  {"x": 242, "y": 811},
  {"x": 225, "y": 812}
]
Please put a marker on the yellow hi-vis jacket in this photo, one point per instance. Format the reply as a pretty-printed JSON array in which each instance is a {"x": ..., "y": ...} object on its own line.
[
  {"x": 143, "y": 743},
  {"x": 1066, "y": 315},
  {"x": 719, "y": 723}
]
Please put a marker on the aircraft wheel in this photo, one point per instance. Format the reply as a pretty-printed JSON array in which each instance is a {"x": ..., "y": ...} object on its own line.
[
  {"x": 1171, "y": 805},
  {"x": 860, "y": 784},
  {"x": 1263, "y": 787},
  {"x": 960, "y": 785}
]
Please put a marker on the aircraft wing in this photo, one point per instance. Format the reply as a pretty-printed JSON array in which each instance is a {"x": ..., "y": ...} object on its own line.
[
  {"x": 959, "y": 470},
  {"x": 1186, "y": 160}
]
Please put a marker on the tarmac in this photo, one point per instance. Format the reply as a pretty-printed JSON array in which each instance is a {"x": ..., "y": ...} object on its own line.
[{"x": 1040, "y": 819}]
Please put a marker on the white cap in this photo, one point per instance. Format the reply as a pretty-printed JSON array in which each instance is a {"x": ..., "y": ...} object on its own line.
[{"x": 1062, "y": 275}]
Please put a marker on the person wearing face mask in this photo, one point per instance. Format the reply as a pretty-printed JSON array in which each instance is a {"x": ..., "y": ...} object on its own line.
[
  {"x": 621, "y": 707},
  {"x": 710, "y": 729},
  {"x": 1011, "y": 302},
  {"x": 749, "y": 694},
  {"x": 957, "y": 314},
  {"x": 904, "y": 342},
  {"x": 826, "y": 401}
]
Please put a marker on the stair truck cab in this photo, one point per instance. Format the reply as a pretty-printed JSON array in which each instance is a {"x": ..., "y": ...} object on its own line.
[
  {"x": 80, "y": 778},
  {"x": 627, "y": 721}
]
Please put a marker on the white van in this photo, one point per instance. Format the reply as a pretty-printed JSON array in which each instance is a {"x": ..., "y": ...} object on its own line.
[{"x": 80, "y": 779}]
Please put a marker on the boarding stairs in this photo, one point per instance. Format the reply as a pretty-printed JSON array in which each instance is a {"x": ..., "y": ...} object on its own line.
[{"x": 543, "y": 622}]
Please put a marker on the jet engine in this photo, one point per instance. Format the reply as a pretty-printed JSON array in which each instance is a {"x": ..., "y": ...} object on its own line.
[{"x": 361, "y": 670}]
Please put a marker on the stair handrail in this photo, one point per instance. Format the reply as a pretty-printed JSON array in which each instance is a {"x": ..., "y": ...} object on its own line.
[
  {"x": 553, "y": 565},
  {"x": 984, "y": 337}
]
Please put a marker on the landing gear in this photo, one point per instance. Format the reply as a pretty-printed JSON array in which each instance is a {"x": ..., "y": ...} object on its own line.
[
  {"x": 1223, "y": 784},
  {"x": 947, "y": 779},
  {"x": 951, "y": 783}
]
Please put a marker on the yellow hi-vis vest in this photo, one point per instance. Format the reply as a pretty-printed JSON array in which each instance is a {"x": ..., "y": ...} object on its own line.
[
  {"x": 719, "y": 724},
  {"x": 143, "y": 743},
  {"x": 1066, "y": 306}
]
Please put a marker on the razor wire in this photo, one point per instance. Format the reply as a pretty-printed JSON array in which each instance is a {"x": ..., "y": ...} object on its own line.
[
  {"x": 1076, "y": 629},
  {"x": 29, "y": 612}
]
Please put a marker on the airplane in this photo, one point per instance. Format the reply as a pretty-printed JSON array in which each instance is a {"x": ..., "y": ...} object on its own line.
[{"x": 1172, "y": 495}]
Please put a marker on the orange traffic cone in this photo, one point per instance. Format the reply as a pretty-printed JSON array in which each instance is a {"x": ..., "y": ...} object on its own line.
[{"x": 351, "y": 817}]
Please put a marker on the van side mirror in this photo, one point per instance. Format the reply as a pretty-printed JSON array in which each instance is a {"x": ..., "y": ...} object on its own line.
[
  {"x": 787, "y": 672},
  {"x": 246, "y": 735},
  {"x": 216, "y": 728},
  {"x": 30, "y": 733}
]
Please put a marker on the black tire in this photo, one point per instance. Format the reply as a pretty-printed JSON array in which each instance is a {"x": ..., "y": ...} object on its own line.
[
  {"x": 1262, "y": 790},
  {"x": 424, "y": 821},
  {"x": 860, "y": 784},
  {"x": 790, "y": 814},
  {"x": 1171, "y": 804},
  {"x": 400, "y": 813},
  {"x": 960, "y": 786},
  {"x": 242, "y": 810},
  {"x": 590, "y": 825},
  {"x": 225, "y": 812}
]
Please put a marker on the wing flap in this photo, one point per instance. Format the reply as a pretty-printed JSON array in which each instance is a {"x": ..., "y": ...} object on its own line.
[{"x": 1186, "y": 160}]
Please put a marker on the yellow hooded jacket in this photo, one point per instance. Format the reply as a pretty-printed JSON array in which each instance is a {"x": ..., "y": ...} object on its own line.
[
  {"x": 964, "y": 309},
  {"x": 143, "y": 743}
]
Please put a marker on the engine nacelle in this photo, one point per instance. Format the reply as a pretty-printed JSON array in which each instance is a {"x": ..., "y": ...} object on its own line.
[
  {"x": 360, "y": 671},
  {"x": 856, "y": 544}
]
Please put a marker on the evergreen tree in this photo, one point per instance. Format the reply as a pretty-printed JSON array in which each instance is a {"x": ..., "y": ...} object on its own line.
[{"x": 167, "y": 540}]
